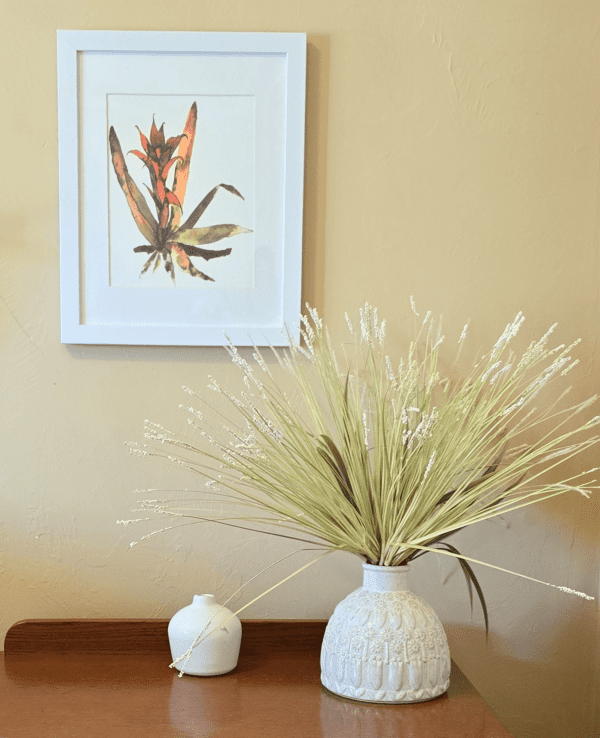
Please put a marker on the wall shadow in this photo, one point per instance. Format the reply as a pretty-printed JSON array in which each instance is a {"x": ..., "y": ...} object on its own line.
[
  {"x": 532, "y": 698},
  {"x": 315, "y": 170}
]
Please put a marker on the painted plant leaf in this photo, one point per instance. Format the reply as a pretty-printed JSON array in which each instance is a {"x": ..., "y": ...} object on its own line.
[
  {"x": 182, "y": 170},
  {"x": 183, "y": 262},
  {"x": 206, "y": 254},
  {"x": 142, "y": 215},
  {"x": 201, "y": 207},
  {"x": 154, "y": 255},
  {"x": 210, "y": 234}
]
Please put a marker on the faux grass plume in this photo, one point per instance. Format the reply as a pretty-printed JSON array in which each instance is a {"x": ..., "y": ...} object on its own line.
[{"x": 353, "y": 452}]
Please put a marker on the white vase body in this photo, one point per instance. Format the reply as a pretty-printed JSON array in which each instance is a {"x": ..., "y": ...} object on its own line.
[
  {"x": 385, "y": 644},
  {"x": 218, "y": 650}
]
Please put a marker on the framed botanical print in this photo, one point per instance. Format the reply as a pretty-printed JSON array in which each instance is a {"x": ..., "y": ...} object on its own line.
[{"x": 181, "y": 159}]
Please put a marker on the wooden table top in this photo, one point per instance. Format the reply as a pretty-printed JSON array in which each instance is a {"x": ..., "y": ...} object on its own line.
[{"x": 100, "y": 678}]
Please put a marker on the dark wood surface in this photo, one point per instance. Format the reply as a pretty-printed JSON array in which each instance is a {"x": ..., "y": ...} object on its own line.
[
  {"x": 142, "y": 636},
  {"x": 98, "y": 678}
]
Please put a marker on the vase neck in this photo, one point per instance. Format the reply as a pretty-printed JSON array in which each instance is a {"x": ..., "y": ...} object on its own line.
[
  {"x": 385, "y": 578},
  {"x": 204, "y": 600}
]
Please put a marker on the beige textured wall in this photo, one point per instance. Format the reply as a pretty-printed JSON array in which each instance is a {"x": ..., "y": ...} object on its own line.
[{"x": 452, "y": 153}]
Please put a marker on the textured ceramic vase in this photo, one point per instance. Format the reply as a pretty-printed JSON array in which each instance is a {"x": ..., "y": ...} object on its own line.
[
  {"x": 218, "y": 651},
  {"x": 385, "y": 644}
]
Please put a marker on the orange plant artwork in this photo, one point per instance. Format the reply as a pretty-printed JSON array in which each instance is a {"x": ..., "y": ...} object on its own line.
[{"x": 169, "y": 241}]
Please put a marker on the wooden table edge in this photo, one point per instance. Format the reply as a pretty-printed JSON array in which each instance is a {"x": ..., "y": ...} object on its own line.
[{"x": 116, "y": 635}]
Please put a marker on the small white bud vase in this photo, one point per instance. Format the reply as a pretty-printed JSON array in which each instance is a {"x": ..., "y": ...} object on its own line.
[
  {"x": 218, "y": 650},
  {"x": 385, "y": 644}
]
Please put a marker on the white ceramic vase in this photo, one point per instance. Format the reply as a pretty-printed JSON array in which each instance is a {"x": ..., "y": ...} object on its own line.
[
  {"x": 385, "y": 644},
  {"x": 218, "y": 651}
]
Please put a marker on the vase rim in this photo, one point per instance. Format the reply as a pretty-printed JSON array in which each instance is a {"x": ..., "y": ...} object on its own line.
[
  {"x": 389, "y": 569},
  {"x": 203, "y": 597}
]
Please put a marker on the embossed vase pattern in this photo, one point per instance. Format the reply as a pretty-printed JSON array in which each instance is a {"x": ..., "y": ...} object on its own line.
[{"x": 383, "y": 643}]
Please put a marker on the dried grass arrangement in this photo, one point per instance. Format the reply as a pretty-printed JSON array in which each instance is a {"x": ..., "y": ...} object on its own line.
[{"x": 383, "y": 461}]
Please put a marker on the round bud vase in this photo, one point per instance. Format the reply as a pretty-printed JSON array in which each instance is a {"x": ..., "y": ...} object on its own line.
[
  {"x": 385, "y": 644},
  {"x": 218, "y": 650}
]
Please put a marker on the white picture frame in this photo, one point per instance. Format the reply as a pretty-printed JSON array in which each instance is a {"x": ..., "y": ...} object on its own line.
[{"x": 248, "y": 90}]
